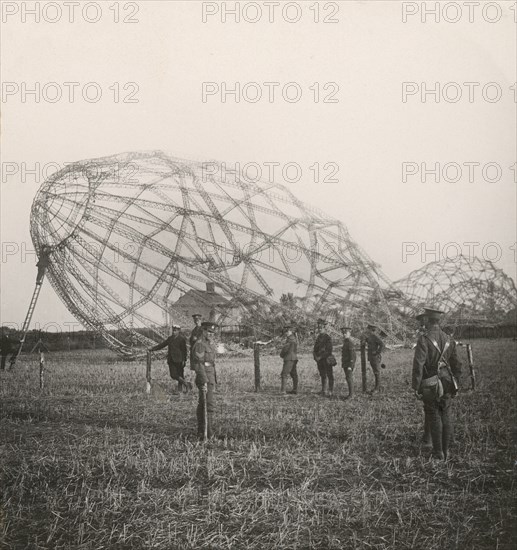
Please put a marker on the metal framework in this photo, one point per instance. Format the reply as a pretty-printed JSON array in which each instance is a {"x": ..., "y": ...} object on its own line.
[
  {"x": 468, "y": 289},
  {"x": 129, "y": 234}
]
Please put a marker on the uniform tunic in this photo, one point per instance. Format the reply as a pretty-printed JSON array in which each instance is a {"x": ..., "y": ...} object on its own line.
[
  {"x": 322, "y": 350},
  {"x": 375, "y": 349},
  {"x": 176, "y": 354},
  {"x": 348, "y": 355},
  {"x": 195, "y": 335},
  {"x": 289, "y": 354}
]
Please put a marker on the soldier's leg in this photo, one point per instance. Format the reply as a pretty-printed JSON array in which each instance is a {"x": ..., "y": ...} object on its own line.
[
  {"x": 286, "y": 371},
  {"x": 445, "y": 412},
  {"x": 322, "y": 369},
  {"x": 426, "y": 439},
  {"x": 376, "y": 364},
  {"x": 330, "y": 375},
  {"x": 200, "y": 410},
  {"x": 210, "y": 400},
  {"x": 181, "y": 376},
  {"x": 294, "y": 376},
  {"x": 4, "y": 359},
  {"x": 435, "y": 420},
  {"x": 349, "y": 381}
]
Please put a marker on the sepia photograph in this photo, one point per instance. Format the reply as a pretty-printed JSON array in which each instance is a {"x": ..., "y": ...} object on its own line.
[{"x": 258, "y": 275}]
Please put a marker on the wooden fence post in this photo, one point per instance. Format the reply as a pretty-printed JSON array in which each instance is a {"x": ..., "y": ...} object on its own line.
[
  {"x": 471, "y": 367},
  {"x": 363, "y": 365},
  {"x": 148, "y": 373},
  {"x": 41, "y": 369},
  {"x": 256, "y": 359}
]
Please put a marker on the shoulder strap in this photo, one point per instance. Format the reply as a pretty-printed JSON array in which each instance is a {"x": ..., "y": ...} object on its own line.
[{"x": 435, "y": 344}]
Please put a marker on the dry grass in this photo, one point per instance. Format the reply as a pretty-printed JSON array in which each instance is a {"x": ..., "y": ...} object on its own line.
[{"x": 93, "y": 462}]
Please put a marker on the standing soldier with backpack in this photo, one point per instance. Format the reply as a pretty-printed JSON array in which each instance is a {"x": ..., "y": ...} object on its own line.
[{"x": 436, "y": 370}]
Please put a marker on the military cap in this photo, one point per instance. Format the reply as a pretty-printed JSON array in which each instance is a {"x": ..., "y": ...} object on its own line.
[
  {"x": 210, "y": 327},
  {"x": 344, "y": 329},
  {"x": 321, "y": 321},
  {"x": 196, "y": 315},
  {"x": 371, "y": 327},
  {"x": 433, "y": 313},
  {"x": 176, "y": 327},
  {"x": 420, "y": 316}
]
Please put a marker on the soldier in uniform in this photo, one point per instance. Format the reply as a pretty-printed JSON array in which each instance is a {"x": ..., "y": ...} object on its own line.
[
  {"x": 375, "y": 349},
  {"x": 436, "y": 370},
  {"x": 176, "y": 355},
  {"x": 43, "y": 263},
  {"x": 426, "y": 439},
  {"x": 204, "y": 353},
  {"x": 348, "y": 359},
  {"x": 8, "y": 346},
  {"x": 321, "y": 352},
  {"x": 197, "y": 332},
  {"x": 290, "y": 357}
]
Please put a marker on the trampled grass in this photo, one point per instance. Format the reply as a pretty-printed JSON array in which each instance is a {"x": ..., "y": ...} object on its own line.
[{"x": 93, "y": 462}]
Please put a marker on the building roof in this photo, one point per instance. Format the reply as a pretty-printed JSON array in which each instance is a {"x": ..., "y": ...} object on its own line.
[{"x": 202, "y": 297}]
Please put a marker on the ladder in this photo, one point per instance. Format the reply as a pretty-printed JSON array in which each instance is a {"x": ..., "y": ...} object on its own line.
[{"x": 27, "y": 322}]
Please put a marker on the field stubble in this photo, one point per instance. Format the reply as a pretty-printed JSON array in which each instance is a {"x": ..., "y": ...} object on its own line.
[{"x": 93, "y": 462}]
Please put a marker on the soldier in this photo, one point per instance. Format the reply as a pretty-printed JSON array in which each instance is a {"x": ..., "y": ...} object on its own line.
[
  {"x": 204, "y": 364},
  {"x": 43, "y": 263},
  {"x": 375, "y": 349},
  {"x": 426, "y": 439},
  {"x": 197, "y": 332},
  {"x": 176, "y": 356},
  {"x": 290, "y": 357},
  {"x": 436, "y": 369},
  {"x": 348, "y": 359},
  {"x": 8, "y": 346},
  {"x": 321, "y": 352}
]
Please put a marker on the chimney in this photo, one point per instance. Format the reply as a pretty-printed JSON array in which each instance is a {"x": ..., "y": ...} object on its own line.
[{"x": 210, "y": 287}]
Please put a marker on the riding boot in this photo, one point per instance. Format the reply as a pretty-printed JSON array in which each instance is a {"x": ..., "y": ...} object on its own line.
[
  {"x": 294, "y": 391},
  {"x": 349, "y": 384},
  {"x": 200, "y": 424},
  {"x": 377, "y": 387},
  {"x": 283, "y": 384},
  {"x": 180, "y": 386},
  {"x": 323, "y": 386},
  {"x": 209, "y": 430},
  {"x": 426, "y": 439},
  {"x": 331, "y": 387}
]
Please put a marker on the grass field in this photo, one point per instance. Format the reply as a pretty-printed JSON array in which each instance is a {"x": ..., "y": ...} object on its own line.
[{"x": 93, "y": 462}]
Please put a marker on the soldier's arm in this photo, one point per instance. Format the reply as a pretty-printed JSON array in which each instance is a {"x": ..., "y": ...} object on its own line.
[
  {"x": 454, "y": 361},
  {"x": 160, "y": 346},
  {"x": 418, "y": 363}
]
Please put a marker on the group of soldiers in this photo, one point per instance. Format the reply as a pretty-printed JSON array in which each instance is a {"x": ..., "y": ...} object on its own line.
[
  {"x": 203, "y": 357},
  {"x": 326, "y": 361},
  {"x": 435, "y": 374}
]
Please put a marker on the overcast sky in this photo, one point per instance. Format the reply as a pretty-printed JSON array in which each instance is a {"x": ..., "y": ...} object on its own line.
[{"x": 360, "y": 61}]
